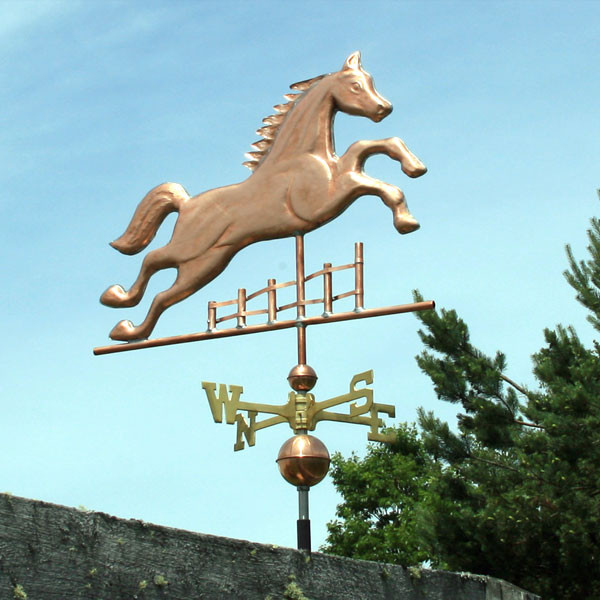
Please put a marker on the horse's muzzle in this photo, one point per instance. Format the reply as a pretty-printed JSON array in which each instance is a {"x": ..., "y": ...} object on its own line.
[{"x": 383, "y": 110}]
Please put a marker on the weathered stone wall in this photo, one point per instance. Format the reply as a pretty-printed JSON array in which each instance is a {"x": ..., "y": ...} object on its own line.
[{"x": 51, "y": 552}]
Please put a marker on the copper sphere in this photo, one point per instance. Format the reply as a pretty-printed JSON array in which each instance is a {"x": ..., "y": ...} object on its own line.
[
  {"x": 302, "y": 378},
  {"x": 303, "y": 460}
]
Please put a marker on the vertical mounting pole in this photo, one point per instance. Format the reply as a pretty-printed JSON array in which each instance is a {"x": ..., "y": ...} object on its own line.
[
  {"x": 303, "y": 523},
  {"x": 300, "y": 297}
]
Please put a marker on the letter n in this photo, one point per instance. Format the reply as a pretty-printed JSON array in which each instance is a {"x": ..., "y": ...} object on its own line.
[{"x": 246, "y": 429}]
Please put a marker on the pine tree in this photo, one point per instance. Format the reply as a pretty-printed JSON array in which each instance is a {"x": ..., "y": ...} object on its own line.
[{"x": 513, "y": 491}]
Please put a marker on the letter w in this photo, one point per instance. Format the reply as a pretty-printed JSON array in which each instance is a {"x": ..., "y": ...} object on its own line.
[{"x": 223, "y": 400}]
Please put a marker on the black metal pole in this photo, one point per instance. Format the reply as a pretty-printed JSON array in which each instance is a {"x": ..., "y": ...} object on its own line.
[{"x": 303, "y": 523}]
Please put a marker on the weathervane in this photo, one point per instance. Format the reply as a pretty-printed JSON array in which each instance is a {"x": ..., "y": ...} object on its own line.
[{"x": 298, "y": 184}]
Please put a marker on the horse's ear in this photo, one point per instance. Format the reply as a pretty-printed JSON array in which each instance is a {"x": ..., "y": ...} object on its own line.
[{"x": 353, "y": 61}]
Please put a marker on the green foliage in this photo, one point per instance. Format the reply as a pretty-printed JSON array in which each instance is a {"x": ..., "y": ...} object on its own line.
[
  {"x": 382, "y": 495},
  {"x": 160, "y": 581},
  {"x": 19, "y": 592},
  {"x": 513, "y": 490},
  {"x": 293, "y": 591}
]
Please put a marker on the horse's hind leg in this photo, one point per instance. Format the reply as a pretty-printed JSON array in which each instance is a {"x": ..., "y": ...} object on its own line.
[
  {"x": 127, "y": 331},
  {"x": 154, "y": 261},
  {"x": 191, "y": 276}
]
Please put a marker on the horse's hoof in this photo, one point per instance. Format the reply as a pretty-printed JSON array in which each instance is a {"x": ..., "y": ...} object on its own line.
[
  {"x": 123, "y": 331},
  {"x": 415, "y": 170},
  {"x": 406, "y": 224},
  {"x": 114, "y": 296}
]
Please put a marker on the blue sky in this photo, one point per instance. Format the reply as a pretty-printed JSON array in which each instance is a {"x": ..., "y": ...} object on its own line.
[{"x": 101, "y": 101}]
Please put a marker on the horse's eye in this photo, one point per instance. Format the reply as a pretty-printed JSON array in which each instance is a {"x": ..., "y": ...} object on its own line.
[{"x": 357, "y": 86}]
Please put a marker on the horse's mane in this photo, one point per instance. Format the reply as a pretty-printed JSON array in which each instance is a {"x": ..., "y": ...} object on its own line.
[{"x": 272, "y": 123}]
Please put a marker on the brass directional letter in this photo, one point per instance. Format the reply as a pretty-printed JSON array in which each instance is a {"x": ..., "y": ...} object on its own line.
[
  {"x": 245, "y": 429},
  {"x": 223, "y": 400},
  {"x": 366, "y": 393},
  {"x": 375, "y": 435}
]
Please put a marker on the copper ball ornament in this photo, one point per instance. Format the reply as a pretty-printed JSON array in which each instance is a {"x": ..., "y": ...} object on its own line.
[
  {"x": 302, "y": 378},
  {"x": 303, "y": 460}
]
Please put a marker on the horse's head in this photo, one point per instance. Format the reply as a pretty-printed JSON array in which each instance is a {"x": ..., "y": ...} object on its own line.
[{"x": 354, "y": 92}]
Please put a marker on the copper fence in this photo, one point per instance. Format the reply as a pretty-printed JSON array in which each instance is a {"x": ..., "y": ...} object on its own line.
[{"x": 271, "y": 295}]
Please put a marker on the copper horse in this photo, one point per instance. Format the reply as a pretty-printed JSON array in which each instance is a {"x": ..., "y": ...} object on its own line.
[{"x": 298, "y": 184}]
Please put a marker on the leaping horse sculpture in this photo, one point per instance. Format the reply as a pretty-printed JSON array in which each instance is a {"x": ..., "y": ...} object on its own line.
[{"x": 298, "y": 184}]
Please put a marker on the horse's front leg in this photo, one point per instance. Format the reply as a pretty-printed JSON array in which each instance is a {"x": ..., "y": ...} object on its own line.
[
  {"x": 354, "y": 158},
  {"x": 353, "y": 185}
]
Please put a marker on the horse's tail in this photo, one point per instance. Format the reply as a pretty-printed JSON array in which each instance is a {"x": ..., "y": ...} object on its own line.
[{"x": 150, "y": 213}]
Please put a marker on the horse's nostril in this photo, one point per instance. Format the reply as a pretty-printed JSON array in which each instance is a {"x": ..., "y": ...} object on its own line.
[{"x": 385, "y": 109}]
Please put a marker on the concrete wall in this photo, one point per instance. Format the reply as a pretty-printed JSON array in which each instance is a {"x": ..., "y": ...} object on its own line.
[{"x": 52, "y": 552}]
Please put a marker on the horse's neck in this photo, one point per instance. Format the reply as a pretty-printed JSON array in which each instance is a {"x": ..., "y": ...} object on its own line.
[{"x": 308, "y": 127}]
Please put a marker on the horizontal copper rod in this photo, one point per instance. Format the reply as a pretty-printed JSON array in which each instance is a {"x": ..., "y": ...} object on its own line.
[
  {"x": 344, "y": 295},
  {"x": 270, "y": 287},
  {"x": 329, "y": 270},
  {"x": 318, "y": 320}
]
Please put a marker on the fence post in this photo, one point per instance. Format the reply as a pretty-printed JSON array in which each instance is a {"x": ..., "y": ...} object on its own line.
[
  {"x": 327, "y": 294},
  {"x": 359, "y": 298},
  {"x": 212, "y": 315},
  {"x": 272, "y": 296},
  {"x": 241, "y": 304}
]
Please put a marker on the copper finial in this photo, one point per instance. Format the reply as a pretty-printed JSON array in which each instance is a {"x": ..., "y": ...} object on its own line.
[
  {"x": 302, "y": 378},
  {"x": 303, "y": 460}
]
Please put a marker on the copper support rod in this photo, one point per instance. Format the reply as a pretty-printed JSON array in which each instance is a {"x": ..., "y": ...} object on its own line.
[
  {"x": 300, "y": 297},
  {"x": 327, "y": 285},
  {"x": 241, "y": 305},
  {"x": 211, "y": 335},
  {"x": 300, "y": 275},
  {"x": 359, "y": 299},
  {"x": 301, "y": 342},
  {"x": 272, "y": 298},
  {"x": 212, "y": 315}
]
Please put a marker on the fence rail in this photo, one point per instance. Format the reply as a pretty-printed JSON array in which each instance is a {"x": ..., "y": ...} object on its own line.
[{"x": 271, "y": 292}]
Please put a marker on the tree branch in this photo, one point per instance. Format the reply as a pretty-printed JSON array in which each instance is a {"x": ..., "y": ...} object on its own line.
[
  {"x": 526, "y": 424},
  {"x": 514, "y": 384},
  {"x": 507, "y": 467}
]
